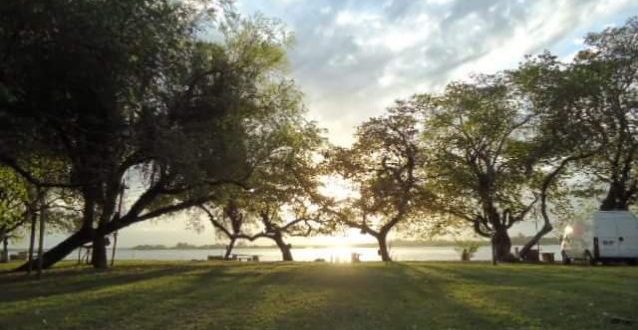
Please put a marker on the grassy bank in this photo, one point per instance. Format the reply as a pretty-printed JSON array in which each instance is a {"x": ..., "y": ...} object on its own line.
[{"x": 180, "y": 295}]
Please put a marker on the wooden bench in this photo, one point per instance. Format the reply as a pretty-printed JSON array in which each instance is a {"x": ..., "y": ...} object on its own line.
[
  {"x": 547, "y": 257},
  {"x": 246, "y": 257}
]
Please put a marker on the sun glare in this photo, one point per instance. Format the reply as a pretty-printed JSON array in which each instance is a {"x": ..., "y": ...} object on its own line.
[
  {"x": 341, "y": 253},
  {"x": 336, "y": 188}
]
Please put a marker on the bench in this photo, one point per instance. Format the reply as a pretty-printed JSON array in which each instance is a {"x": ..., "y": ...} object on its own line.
[
  {"x": 246, "y": 257},
  {"x": 547, "y": 257}
]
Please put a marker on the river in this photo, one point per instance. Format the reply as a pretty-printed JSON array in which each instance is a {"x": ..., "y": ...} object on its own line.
[{"x": 330, "y": 254}]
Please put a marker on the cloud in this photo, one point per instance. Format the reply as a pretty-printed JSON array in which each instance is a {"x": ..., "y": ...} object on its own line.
[{"x": 353, "y": 58}]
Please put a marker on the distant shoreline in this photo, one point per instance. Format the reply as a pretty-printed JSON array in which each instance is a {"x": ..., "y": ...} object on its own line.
[{"x": 398, "y": 243}]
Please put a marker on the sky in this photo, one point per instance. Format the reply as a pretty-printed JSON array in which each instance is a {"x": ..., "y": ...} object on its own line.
[{"x": 352, "y": 59}]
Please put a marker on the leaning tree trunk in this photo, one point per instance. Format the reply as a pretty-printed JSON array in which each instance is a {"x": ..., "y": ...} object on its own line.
[
  {"x": 79, "y": 238},
  {"x": 502, "y": 244},
  {"x": 383, "y": 247},
  {"x": 286, "y": 254},
  {"x": 63, "y": 249},
  {"x": 547, "y": 227},
  {"x": 229, "y": 248}
]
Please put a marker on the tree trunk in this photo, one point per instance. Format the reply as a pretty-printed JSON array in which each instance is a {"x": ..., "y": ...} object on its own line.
[
  {"x": 383, "y": 248},
  {"x": 41, "y": 238},
  {"x": 529, "y": 245},
  {"x": 34, "y": 216},
  {"x": 502, "y": 245},
  {"x": 229, "y": 248},
  {"x": 5, "y": 249},
  {"x": 98, "y": 258},
  {"x": 61, "y": 250},
  {"x": 286, "y": 255},
  {"x": 616, "y": 198}
]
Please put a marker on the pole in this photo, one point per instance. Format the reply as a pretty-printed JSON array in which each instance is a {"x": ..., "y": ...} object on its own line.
[
  {"x": 5, "y": 251},
  {"x": 41, "y": 240},
  {"x": 33, "y": 216},
  {"x": 119, "y": 211},
  {"x": 493, "y": 251},
  {"x": 114, "y": 247}
]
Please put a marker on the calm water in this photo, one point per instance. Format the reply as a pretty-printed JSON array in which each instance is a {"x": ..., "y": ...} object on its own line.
[{"x": 333, "y": 254}]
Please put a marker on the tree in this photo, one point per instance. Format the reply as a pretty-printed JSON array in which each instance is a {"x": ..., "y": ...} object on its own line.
[
  {"x": 283, "y": 198},
  {"x": 127, "y": 88},
  {"x": 476, "y": 135},
  {"x": 586, "y": 122},
  {"x": 564, "y": 139},
  {"x": 385, "y": 165},
  {"x": 14, "y": 206},
  {"x": 227, "y": 221},
  {"x": 608, "y": 68}
]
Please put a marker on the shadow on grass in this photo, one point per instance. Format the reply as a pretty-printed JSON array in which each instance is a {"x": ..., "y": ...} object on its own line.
[
  {"x": 548, "y": 297},
  {"x": 169, "y": 297},
  {"x": 299, "y": 296},
  {"x": 384, "y": 297},
  {"x": 20, "y": 287}
]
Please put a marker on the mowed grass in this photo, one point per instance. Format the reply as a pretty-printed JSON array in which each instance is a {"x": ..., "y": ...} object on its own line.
[{"x": 184, "y": 295}]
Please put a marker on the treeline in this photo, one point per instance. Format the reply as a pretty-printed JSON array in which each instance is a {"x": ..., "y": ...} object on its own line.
[
  {"x": 187, "y": 246},
  {"x": 118, "y": 112}
]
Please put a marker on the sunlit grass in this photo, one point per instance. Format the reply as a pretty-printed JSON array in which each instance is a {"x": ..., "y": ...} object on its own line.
[{"x": 183, "y": 295}]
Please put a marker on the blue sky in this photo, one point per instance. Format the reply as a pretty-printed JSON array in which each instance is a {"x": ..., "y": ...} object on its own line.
[{"x": 353, "y": 58}]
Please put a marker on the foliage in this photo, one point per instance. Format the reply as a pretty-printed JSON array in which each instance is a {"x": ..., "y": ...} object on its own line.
[
  {"x": 14, "y": 202},
  {"x": 386, "y": 167},
  {"x": 477, "y": 136},
  {"x": 128, "y": 88},
  {"x": 282, "y": 196}
]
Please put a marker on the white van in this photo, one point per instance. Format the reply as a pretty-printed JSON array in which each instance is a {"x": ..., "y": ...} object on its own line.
[{"x": 606, "y": 236}]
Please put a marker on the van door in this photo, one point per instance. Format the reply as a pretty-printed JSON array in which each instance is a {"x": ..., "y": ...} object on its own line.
[
  {"x": 627, "y": 230},
  {"x": 606, "y": 230}
]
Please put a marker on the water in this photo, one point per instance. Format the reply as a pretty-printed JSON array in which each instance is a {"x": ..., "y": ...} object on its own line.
[{"x": 330, "y": 254}]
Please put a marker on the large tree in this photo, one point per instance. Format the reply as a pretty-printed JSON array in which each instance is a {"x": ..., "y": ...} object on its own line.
[
  {"x": 385, "y": 166},
  {"x": 114, "y": 88},
  {"x": 564, "y": 139},
  {"x": 608, "y": 71},
  {"x": 283, "y": 196},
  {"x": 585, "y": 120},
  {"x": 476, "y": 134}
]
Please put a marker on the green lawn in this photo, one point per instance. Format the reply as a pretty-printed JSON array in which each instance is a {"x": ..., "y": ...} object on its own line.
[{"x": 183, "y": 295}]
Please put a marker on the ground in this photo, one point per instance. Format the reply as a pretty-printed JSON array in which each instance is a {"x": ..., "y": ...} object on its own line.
[{"x": 189, "y": 295}]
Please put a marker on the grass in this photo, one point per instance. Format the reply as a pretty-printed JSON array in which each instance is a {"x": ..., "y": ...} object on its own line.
[{"x": 183, "y": 295}]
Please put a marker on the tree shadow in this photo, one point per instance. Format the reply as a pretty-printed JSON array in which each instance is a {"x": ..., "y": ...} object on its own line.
[
  {"x": 385, "y": 297},
  {"x": 280, "y": 296},
  {"x": 76, "y": 281}
]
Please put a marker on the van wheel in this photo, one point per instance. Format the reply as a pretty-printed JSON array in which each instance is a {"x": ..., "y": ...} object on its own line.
[
  {"x": 589, "y": 259},
  {"x": 566, "y": 260},
  {"x": 632, "y": 262}
]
